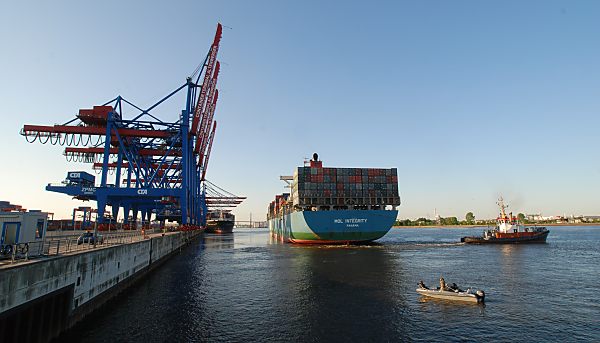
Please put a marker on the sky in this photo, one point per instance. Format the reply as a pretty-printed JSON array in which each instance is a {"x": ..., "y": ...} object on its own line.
[{"x": 470, "y": 100}]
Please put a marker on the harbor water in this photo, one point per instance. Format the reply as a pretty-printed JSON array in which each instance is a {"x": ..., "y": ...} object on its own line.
[{"x": 245, "y": 287}]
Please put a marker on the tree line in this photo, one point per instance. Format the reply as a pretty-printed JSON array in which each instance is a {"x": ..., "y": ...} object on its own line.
[{"x": 469, "y": 220}]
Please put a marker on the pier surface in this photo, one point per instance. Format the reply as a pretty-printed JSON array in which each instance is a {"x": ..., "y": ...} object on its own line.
[{"x": 42, "y": 297}]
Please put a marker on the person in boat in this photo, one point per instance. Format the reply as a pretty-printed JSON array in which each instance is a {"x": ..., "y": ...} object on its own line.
[
  {"x": 454, "y": 287},
  {"x": 422, "y": 285},
  {"x": 442, "y": 284}
]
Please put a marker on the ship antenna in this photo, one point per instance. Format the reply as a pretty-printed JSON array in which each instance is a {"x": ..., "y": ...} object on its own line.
[{"x": 502, "y": 207}]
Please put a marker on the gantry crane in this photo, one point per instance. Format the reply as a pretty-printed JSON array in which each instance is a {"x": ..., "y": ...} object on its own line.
[{"x": 146, "y": 164}]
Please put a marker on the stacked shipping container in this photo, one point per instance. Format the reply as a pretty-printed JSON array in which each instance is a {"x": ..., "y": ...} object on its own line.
[
  {"x": 316, "y": 186},
  {"x": 276, "y": 205}
]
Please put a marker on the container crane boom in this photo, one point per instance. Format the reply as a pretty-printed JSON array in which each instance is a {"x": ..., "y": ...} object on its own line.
[
  {"x": 210, "y": 141},
  {"x": 207, "y": 76}
]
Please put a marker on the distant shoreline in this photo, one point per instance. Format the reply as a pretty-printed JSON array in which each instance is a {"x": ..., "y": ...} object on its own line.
[{"x": 480, "y": 225}]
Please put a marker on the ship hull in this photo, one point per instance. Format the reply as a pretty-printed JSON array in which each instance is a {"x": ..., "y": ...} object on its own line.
[
  {"x": 332, "y": 227},
  {"x": 219, "y": 226},
  {"x": 508, "y": 239},
  {"x": 450, "y": 295}
]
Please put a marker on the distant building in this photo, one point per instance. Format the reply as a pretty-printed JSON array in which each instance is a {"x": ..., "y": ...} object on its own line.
[
  {"x": 534, "y": 217},
  {"x": 590, "y": 219},
  {"x": 540, "y": 218}
]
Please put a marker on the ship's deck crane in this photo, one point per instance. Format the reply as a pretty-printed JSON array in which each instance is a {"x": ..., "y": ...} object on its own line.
[{"x": 146, "y": 164}]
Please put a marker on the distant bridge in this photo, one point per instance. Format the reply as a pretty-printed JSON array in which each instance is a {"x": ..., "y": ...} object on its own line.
[{"x": 247, "y": 224}]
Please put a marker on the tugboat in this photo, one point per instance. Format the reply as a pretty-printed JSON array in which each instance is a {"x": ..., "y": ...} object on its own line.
[{"x": 509, "y": 230}]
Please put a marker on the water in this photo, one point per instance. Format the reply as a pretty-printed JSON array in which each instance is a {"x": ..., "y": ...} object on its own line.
[{"x": 242, "y": 287}]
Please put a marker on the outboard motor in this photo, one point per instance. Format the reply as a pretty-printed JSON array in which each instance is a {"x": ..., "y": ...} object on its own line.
[{"x": 480, "y": 295}]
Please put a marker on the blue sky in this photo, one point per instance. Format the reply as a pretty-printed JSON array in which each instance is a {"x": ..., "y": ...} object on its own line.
[{"x": 468, "y": 99}]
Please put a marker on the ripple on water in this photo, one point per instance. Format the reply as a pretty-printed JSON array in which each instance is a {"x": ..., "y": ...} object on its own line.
[{"x": 241, "y": 287}]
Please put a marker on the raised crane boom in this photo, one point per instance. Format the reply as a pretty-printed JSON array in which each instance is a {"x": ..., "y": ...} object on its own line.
[
  {"x": 212, "y": 58},
  {"x": 204, "y": 123},
  {"x": 210, "y": 141},
  {"x": 209, "y": 119}
]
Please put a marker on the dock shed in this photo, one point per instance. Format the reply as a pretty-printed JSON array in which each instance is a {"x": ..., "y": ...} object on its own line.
[{"x": 22, "y": 227}]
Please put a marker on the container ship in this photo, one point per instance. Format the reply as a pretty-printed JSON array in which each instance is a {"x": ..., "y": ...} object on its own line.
[
  {"x": 335, "y": 205},
  {"x": 220, "y": 222}
]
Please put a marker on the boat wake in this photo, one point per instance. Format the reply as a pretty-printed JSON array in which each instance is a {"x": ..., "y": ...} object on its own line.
[{"x": 424, "y": 244}]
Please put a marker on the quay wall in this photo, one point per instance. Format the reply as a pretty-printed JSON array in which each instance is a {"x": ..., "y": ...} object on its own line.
[{"x": 40, "y": 299}]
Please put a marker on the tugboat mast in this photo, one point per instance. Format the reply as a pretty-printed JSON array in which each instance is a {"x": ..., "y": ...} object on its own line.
[{"x": 502, "y": 208}]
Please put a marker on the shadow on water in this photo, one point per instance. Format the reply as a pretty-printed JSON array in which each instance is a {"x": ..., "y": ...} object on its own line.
[
  {"x": 347, "y": 292},
  {"x": 215, "y": 241},
  {"x": 450, "y": 307}
]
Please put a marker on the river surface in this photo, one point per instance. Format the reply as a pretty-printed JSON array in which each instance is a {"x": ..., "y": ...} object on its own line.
[{"x": 244, "y": 287}]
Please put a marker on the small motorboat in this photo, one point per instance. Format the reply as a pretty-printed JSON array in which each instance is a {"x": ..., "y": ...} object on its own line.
[{"x": 452, "y": 293}]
